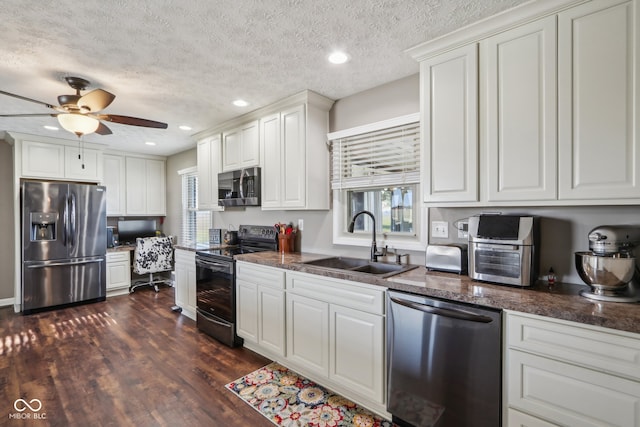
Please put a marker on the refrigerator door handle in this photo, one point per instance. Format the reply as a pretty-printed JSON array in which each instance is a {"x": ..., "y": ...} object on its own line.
[
  {"x": 65, "y": 223},
  {"x": 60, "y": 264},
  {"x": 73, "y": 219},
  {"x": 446, "y": 312}
]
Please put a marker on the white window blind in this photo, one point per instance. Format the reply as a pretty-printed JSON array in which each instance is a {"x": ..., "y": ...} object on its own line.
[
  {"x": 195, "y": 224},
  {"x": 389, "y": 156}
]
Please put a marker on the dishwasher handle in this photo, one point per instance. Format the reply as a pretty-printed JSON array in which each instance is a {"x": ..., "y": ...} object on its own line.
[{"x": 445, "y": 312}]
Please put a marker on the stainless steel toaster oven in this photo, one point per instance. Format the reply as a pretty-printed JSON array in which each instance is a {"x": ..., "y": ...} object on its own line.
[{"x": 504, "y": 249}]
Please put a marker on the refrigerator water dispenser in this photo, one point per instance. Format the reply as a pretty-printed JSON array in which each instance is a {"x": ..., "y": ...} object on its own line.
[{"x": 43, "y": 226}]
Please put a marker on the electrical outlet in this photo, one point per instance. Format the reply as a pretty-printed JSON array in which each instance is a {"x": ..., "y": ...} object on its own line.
[
  {"x": 463, "y": 230},
  {"x": 300, "y": 224},
  {"x": 440, "y": 229}
]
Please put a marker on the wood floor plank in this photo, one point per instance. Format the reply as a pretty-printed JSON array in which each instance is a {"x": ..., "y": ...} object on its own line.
[{"x": 129, "y": 360}]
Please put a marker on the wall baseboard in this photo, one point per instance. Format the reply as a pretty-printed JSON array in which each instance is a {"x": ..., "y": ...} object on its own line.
[{"x": 6, "y": 301}]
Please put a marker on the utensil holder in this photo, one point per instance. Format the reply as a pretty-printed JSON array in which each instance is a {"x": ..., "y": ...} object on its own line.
[{"x": 286, "y": 243}]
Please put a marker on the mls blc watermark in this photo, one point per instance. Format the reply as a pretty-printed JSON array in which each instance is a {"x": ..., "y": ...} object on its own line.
[{"x": 30, "y": 410}]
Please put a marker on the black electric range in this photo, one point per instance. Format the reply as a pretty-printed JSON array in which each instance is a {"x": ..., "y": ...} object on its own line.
[{"x": 216, "y": 282}]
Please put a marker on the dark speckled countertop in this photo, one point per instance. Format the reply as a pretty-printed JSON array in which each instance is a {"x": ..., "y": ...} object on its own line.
[{"x": 561, "y": 302}]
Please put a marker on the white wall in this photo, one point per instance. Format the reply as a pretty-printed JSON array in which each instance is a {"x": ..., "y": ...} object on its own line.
[
  {"x": 6, "y": 219},
  {"x": 390, "y": 100},
  {"x": 563, "y": 230}
]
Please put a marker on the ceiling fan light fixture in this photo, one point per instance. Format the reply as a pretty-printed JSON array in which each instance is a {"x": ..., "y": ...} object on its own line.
[{"x": 78, "y": 123}]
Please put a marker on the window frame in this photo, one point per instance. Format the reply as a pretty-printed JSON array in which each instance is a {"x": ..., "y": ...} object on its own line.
[
  {"x": 188, "y": 173},
  {"x": 414, "y": 242}
]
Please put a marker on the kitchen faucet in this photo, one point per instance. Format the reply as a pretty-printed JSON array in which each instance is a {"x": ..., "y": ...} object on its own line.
[{"x": 374, "y": 248}]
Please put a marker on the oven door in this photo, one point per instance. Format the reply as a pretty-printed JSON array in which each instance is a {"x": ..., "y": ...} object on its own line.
[
  {"x": 214, "y": 288},
  {"x": 215, "y": 300}
]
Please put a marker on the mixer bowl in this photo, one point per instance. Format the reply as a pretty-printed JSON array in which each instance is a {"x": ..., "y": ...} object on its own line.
[{"x": 607, "y": 275}]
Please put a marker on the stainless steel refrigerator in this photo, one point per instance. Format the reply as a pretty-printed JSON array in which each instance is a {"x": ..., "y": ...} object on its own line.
[{"x": 64, "y": 244}]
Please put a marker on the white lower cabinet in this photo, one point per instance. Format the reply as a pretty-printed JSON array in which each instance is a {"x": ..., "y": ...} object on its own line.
[
  {"x": 185, "y": 282},
  {"x": 260, "y": 313},
  {"x": 329, "y": 330},
  {"x": 569, "y": 374},
  {"x": 118, "y": 272},
  {"x": 335, "y": 335}
]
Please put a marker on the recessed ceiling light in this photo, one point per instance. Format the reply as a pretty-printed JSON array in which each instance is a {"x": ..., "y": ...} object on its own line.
[
  {"x": 338, "y": 57},
  {"x": 184, "y": 127},
  {"x": 50, "y": 127},
  {"x": 150, "y": 143},
  {"x": 240, "y": 103}
]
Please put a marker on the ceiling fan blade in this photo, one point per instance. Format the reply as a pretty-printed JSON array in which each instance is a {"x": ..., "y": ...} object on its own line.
[
  {"x": 29, "y": 115},
  {"x": 103, "y": 130},
  {"x": 126, "y": 120},
  {"x": 96, "y": 100},
  {"x": 24, "y": 98}
]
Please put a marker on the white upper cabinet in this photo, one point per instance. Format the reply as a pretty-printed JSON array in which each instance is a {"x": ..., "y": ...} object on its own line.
[
  {"x": 449, "y": 108},
  {"x": 145, "y": 186},
  {"x": 48, "y": 159},
  {"x": 599, "y": 101},
  {"x": 115, "y": 181},
  {"x": 519, "y": 74},
  {"x": 558, "y": 106},
  {"x": 241, "y": 147},
  {"x": 209, "y": 165},
  {"x": 296, "y": 158}
]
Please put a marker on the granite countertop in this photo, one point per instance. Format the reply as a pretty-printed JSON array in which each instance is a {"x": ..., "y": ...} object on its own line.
[
  {"x": 560, "y": 302},
  {"x": 198, "y": 247}
]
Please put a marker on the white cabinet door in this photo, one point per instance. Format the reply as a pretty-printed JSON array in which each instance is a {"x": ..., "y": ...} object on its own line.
[
  {"x": 357, "y": 351},
  {"x": 520, "y": 112},
  {"x": 449, "y": 99},
  {"x": 136, "y": 186},
  {"x": 145, "y": 186},
  {"x": 271, "y": 322},
  {"x": 118, "y": 270},
  {"x": 247, "y": 310},
  {"x": 114, "y": 180},
  {"x": 155, "y": 187},
  {"x": 271, "y": 192},
  {"x": 241, "y": 147},
  {"x": 43, "y": 160},
  {"x": 83, "y": 164},
  {"x": 599, "y": 101},
  {"x": 308, "y": 333},
  {"x": 185, "y": 282},
  {"x": 209, "y": 156},
  {"x": 293, "y": 171}
]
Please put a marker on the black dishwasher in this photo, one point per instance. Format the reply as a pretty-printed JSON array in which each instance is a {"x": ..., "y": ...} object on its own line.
[{"x": 444, "y": 363}]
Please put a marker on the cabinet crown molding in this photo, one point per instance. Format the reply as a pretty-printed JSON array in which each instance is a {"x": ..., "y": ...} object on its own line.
[
  {"x": 13, "y": 137},
  {"x": 308, "y": 97},
  {"x": 490, "y": 26}
]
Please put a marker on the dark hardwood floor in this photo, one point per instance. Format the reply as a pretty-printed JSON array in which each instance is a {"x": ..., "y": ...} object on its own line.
[{"x": 127, "y": 361}]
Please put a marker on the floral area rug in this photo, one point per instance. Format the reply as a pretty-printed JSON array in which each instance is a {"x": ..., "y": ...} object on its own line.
[{"x": 288, "y": 399}]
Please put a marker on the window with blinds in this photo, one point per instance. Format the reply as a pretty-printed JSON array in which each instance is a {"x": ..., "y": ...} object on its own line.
[
  {"x": 383, "y": 157},
  {"x": 195, "y": 223},
  {"x": 377, "y": 168}
]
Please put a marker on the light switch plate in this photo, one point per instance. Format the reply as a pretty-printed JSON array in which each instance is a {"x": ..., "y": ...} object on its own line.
[{"x": 440, "y": 229}]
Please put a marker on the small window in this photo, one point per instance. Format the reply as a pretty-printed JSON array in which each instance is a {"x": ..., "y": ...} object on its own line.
[
  {"x": 195, "y": 223},
  {"x": 377, "y": 168}
]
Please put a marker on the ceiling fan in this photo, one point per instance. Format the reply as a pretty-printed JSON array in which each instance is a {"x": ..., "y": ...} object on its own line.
[{"x": 79, "y": 114}]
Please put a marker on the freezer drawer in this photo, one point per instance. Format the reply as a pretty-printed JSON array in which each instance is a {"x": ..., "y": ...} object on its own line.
[{"x": 53, "y": 283}]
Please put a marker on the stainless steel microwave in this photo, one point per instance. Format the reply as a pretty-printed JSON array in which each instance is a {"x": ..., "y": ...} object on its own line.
[{"x": 239, "y": 188}]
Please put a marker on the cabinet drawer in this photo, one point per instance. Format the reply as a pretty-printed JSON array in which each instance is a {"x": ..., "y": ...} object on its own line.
[
  {"x": 606, "y": 350},
  {"x": 261, "y": 275},
  {"x": 342, "y": 292},
  {"x": 570, "y": 395},
  {"x": 118, "y": 256},
  {"x": 520, "y": 419}
]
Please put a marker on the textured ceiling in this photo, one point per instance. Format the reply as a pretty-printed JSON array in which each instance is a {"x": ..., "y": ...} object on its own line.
[{"x": 184, "y": 62}]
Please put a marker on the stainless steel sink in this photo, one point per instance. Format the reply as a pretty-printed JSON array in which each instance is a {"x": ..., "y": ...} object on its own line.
[{"x": 359, "y": 265}]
